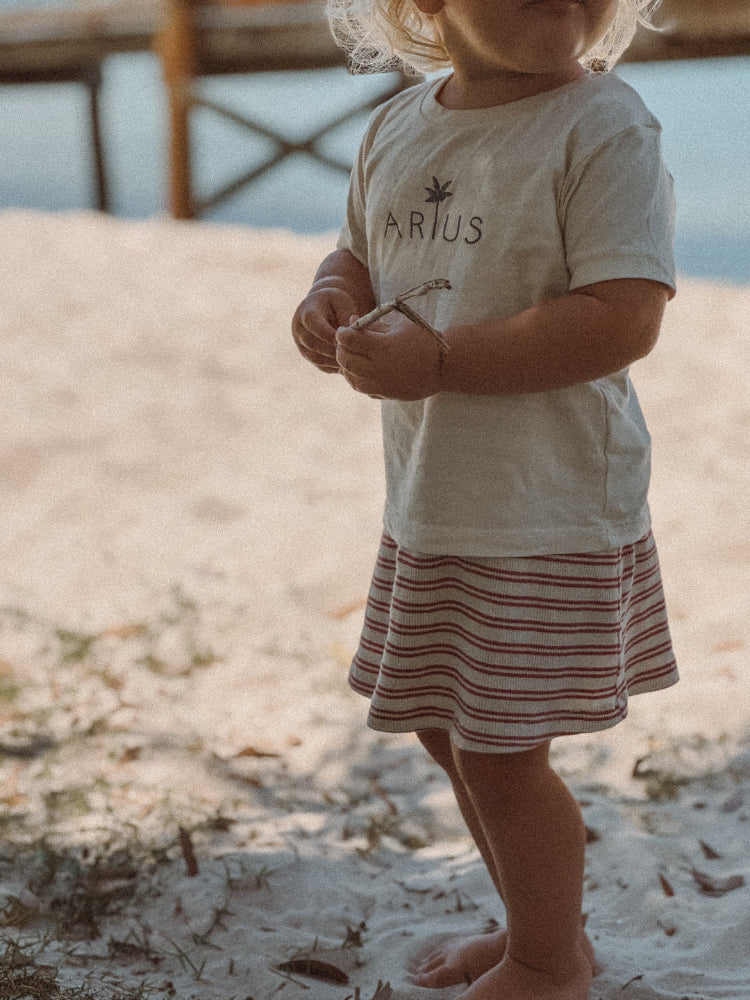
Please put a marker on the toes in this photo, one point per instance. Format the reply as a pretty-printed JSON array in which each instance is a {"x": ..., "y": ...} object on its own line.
[
  {"x": 439, "y": 978},
  {"x": 431, "y": 961}
]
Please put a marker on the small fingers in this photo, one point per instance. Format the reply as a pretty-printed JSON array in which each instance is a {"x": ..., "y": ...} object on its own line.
[
  {"x": 354, "y": 341},
  {"x": 315, "y": 343},
  {"x": 325, "y": 362},
  {"x": 356, "y": 365}
]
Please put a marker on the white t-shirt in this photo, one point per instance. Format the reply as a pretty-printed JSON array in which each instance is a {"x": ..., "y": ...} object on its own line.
[{"x": 515, "y": 205}]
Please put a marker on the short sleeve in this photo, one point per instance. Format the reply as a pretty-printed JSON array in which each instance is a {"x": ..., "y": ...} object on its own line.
[
  {"x": 353, "y": 235},
  {"x": 618, "y": 212}
]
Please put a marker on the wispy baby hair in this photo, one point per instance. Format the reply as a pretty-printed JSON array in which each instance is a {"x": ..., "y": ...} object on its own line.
[{"x": 381, "y": 35}]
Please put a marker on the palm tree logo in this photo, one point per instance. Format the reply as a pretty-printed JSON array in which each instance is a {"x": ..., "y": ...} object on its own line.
[{"x": 437, "y": 194}]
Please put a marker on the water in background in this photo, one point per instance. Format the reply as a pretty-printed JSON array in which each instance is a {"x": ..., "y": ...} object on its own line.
[{"x": 45, "y": 155}]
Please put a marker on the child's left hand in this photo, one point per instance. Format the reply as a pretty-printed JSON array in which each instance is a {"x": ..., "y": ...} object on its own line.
[{"x": 390, "y": 359}]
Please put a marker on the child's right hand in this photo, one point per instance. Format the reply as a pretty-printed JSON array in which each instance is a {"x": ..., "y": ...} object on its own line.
[{"x": 316, "y": 320}]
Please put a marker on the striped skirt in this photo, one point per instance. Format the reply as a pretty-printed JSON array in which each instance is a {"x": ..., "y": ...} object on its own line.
[{"x": 507, "y": 653}]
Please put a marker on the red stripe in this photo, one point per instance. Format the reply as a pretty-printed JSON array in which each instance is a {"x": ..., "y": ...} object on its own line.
[
  {"x": 499, "y": 648},
  {"x": 510, "y": 600},
  {"x": 461, "y": 685},
  {"x": 439, "y": 609},
  {"x": 419, "y": 646},
  {"x": 509, "y": 718},
  {"x": 509, "y": 576}
]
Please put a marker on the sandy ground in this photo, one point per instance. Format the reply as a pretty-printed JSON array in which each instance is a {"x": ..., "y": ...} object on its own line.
[{"x": 190, "y": 515}]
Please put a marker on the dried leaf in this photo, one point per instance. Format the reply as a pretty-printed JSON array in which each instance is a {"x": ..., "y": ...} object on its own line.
[
  {"x": 735, "y": 801},
  {"x": 709, "y": 852},
  {"x": 186, "y": 844},
  {"x": 669, "y": 928},
  {"x": 381, "y": 793},
  {"x": 668, "y": 890},
  {"x": 344, "y": 610},
  {"x": 315, "y": 969},
  {"x": 383, "y": 991},
  {"x": 630, "y": 982},
  {"x": 255, "y": 752},
  {"x": 11, "y": 801},
  {"x": 125, "y": 631},
  {"x": 639, "y": 771},
  {"x": 729, "y": 646},
  {"x": 353, "y": 937},
  {"x": 713, "y": 885}
]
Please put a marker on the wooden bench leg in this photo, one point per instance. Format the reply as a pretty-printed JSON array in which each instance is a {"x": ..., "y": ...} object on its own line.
[
  {"x": 177, "y": 51},
  {"x": 94, "y": 83}
]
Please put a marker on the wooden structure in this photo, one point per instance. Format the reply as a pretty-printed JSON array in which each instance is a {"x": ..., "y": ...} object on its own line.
[
  {"x": 198, "y": 38},
  {"x": 68, "y": 45},
  {"x": 694, "y": 29},
  {"x": 201, "y": 39}
]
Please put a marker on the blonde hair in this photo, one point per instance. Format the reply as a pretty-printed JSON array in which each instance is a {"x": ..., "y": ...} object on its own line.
[{"x": 381, "y": 35}]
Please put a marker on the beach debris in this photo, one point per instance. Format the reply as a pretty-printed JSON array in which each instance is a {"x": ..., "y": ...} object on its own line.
[
  {"x": 129, "y": 755},
  {"x": 383, "y": 991},
  {"x": 728, "y": 646},
  {"x": 252, "y": 751},
  {"x": 383, "y": 794},
  {"x": 666, "y": 886},
  {"x": 630, "y": 982},
  {"x": 315, "y": 968},
  {"x": 329, "y": 965},
  {"x": 201, "y": 899},
  {"x": 661, "y": 785},
  {"x": 399, "y": 305},
  {"x": 735, "y": 801},
  {"x": 717, "y": 885},
  {"x": 708, "y": 851},
  {"x": 33, "y": 747},
  {"x": 353, "y": 937},
  {"x": 344, "y": 610},
  {"x": 188, "y": 852},
  {"x": 667, "y": 925}
]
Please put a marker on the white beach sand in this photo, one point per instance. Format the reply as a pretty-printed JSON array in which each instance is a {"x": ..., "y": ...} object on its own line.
[{"x": 190, "y": 515}]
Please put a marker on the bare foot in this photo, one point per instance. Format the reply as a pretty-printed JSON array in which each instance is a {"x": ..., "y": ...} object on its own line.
[
  {"x": 461, "y": 960},
  {"x": 464, "y": 960},
  {"x": 512, "y": 981}
]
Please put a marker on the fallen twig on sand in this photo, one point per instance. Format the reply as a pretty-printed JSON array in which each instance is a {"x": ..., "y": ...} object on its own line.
[{"x": 188, "y": 853}]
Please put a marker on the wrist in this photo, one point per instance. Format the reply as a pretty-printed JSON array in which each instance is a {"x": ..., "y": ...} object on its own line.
[
  {"x": 450, "y": 362},
  {"x": 473, "y": 364}
]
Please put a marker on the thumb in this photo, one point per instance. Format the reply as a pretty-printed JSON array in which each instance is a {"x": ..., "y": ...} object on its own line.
[
  {"x": 348, "y": 326},
  {"x": 355, "y": 341}
]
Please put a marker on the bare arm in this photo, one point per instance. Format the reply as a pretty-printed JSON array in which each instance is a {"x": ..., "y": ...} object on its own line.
[
  {"x": 578, "y": 337},
  {"x": 341, "y": 289}
]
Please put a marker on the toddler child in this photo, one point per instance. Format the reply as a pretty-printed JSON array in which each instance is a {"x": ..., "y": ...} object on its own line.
[{"x": 517, "y": 595}]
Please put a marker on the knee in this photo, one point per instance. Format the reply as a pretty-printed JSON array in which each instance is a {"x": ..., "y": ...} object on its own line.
[
  {"x": 438, "y": 745},
  {"x": 505, "y": 775}
]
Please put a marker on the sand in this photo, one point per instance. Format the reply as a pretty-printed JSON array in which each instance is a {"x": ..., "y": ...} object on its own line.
[{"x": 190, "y": 515}]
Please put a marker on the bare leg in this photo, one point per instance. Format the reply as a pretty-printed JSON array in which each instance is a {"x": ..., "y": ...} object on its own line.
[
  {"x": 438, "y": 745},
  {"x": 536, "y": 835},
  {"x": 464, "y": 959}
]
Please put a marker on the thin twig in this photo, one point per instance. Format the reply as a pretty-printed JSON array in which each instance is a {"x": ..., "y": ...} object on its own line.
[
  {"x": 188, "y": 853},
  {"x": 398, "y": 304}
]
